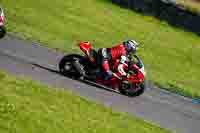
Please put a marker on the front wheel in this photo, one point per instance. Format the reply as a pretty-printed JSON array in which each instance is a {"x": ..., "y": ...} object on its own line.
[
  {"x": 67, "y": 68},
  {"x": 131, "y": 89},
  {"x": 2, "y": 31}
]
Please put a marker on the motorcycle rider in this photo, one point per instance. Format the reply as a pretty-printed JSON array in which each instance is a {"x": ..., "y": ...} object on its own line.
[
  {"x": 108, "y": 56},
  {"x": 105, "y": 57}
]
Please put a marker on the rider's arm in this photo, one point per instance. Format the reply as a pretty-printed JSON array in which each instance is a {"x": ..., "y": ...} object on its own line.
[{"x": 121, "y": 69}]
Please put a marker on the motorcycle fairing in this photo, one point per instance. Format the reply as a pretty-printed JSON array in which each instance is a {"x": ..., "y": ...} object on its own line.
[
  {"x": 87, "y": 48},
  {"x": 2, "y": 18}
]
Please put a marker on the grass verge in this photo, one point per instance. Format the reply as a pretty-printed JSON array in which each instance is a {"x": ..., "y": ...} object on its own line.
[
  {"x": 170, "y": 55},
  {"x": 29, "y": 107}
]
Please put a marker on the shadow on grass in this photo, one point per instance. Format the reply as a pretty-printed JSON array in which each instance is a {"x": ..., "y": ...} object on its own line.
[{"x": 174, "y": 15}]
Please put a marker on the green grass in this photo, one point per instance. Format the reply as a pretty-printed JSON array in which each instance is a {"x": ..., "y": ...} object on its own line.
[
  {"x": 170, "y": 55},
  {"x": 28, "y": 107}
]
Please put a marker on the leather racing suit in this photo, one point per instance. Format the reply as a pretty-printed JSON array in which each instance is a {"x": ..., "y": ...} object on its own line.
[{"x": 108, "y": 56}]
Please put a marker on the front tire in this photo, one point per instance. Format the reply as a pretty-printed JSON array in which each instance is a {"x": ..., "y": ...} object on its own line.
[{"x": 129, "y": 91}]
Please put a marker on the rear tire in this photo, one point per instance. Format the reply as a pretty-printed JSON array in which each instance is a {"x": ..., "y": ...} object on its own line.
[
  {"x": 68, "y": 60},
  {"x": 2, "y": 31}
]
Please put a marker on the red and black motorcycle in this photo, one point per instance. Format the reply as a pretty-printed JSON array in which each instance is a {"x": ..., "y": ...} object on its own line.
[
  {"x": 2, "y": 23},
  {"x": 77, "y": 66}
]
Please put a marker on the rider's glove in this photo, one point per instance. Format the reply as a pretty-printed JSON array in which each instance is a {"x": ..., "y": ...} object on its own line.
[{"x": 128, "y": 75}]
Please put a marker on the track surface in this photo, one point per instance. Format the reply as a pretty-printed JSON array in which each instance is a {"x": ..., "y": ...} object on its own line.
[{"x": 158, "y": 106}]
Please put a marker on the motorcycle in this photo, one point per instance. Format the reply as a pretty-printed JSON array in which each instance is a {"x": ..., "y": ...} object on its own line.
[
  {"x": 2, "y": 23},
  {"x": 78, "y": 66}
]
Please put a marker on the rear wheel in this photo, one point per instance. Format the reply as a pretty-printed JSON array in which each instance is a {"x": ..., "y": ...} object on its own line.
[{"x": 67, "y": 68}]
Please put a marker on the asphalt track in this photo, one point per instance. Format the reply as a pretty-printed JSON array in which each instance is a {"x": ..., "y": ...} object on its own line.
[{"x": 33, "y": 61}]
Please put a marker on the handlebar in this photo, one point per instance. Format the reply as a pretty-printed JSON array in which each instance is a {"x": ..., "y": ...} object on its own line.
[{"x": 138, "y": 61}]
